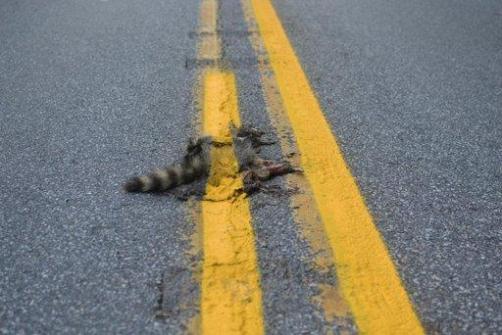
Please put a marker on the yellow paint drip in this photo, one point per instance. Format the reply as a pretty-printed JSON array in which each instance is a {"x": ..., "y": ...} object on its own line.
[
  {"x": 367, "y": 276},
  {"x": 230, "y": 288}
]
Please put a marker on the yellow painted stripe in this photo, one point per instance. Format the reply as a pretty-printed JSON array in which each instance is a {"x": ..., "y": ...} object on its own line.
[
  {"x": 367, "y": 276},
  {"x": 209, "y": 44},
  {"x": 230, "y": 292},
  {"x": 305, "y": 214}
]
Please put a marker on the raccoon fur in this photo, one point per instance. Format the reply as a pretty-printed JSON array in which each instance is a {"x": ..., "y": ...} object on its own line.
[{"x": 197, "y": 162}]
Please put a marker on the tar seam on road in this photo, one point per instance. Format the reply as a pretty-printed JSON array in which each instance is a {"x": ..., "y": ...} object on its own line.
[
  {"x": 231, "y": 298},
  {"x": 367, "y": 276}
]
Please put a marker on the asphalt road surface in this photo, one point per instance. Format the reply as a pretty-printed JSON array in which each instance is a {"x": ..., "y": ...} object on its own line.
[{"x": 93, "y": 92}]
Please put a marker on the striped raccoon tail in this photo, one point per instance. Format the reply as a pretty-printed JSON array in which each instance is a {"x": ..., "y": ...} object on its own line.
[{"x": 194, "y": 166}]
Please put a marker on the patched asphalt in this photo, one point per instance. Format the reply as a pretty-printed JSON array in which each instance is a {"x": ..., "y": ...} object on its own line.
[{"x": 94, "y": 92}]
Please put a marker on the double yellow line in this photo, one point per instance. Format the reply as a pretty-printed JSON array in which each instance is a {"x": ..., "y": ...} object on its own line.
[
  {"x": 230, "y": 287},
  {"x": 231, "y": 294}
]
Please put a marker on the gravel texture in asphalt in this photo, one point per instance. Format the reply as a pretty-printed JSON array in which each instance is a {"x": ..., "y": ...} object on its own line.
[
  {"x": 413, "y": 91},
  {"x": 94, "y": 92}
]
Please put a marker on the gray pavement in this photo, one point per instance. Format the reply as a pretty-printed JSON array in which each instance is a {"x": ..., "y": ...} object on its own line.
[
  {"x": 94, "y": 92},
  {"x": 413, "y": 91},
  {"x": 91, "y": 93},
  {"x": 288, "y": 276}
]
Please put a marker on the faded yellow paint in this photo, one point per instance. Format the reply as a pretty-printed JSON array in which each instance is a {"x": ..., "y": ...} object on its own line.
[
  {"x": 305, "y": 213},
  {"x": 209, "y": 48},
  {"x": 367, "y": 276},
  {"x": 230, "y": 288},
  {"x": 209, "y": 43},
  {"x": 330, "y": 299},
  {"x": 193, "y": 326}
]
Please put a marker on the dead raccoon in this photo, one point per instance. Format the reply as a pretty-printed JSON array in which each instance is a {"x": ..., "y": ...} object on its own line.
[
  {"x": 197, "y": 162},
  {"x": 247, "y": 142}
]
